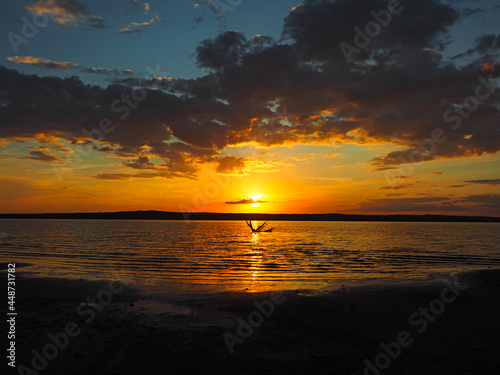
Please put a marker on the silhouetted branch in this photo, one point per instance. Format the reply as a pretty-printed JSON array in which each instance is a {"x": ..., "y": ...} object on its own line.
[{"x": 259, "y": 228}]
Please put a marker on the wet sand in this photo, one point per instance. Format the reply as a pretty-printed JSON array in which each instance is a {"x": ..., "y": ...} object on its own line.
[{"x": 433, "y": 327}]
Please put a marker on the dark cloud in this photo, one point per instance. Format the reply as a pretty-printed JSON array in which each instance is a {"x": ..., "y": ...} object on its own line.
[
  {"x": 92, "y": 70},
  {"x": 467, "y": 12},
  {"x": 246, "y": 201},
  {"x": 487, "y": 202},
  {"x": 69, "y": 109},
  {"x": 483, "y": 199},
  {"x": 43, "y": 156},
  {"x": 198, "y": 20},
  {"x": 103, "y": 149},
  {"x": 230, "y": 165},
  {"x": 319, "y": 26},
  {"x": 112, "y": 176},
  {"x": 396, "y": 187},
  {"x": 222, "y": 51},
  {"x": 142, "y": 162},
  {"x": 485, "y": 182},
  {"x": 486, "y": 44}
]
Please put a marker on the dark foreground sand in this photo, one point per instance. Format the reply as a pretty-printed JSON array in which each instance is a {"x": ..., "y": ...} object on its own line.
[{"x": 323, "y": 334}]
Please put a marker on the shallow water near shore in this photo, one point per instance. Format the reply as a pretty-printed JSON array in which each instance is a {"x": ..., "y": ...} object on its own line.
[{"x": 220, "y": 256}]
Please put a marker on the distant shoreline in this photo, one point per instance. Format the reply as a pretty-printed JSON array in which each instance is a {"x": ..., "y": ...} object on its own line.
[{"x": 207, "y": 216}]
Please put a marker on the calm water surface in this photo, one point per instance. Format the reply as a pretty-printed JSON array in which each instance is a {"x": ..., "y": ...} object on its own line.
[{"x": 216, "y": 256}]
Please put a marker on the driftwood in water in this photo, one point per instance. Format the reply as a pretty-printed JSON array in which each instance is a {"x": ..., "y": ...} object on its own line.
[{"x": 260, "y": 228}]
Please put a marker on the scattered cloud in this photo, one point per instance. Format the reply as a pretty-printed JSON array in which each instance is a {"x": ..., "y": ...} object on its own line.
[
  {"x": 54, "y": 147},
  {"x": 41, "y": 62},
  {"x": 44, "y": 63},
  {"x": 67, "y": 13},
  {"x": 138, "y": 27},
  {"x": 396, "y": 187},
  {"x": 333, "y": 155},
  {"x": 144, "y": 7},
  {"x": 198, "y": 20}
]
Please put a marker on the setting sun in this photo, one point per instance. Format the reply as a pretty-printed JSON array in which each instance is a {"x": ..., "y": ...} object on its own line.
[{"x": 255, "y": 198}]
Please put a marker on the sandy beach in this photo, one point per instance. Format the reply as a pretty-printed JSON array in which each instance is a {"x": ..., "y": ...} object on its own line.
[{"x": 447, "y": 326}]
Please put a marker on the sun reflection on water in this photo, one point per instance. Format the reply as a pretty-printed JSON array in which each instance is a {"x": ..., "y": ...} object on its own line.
[
  {"x": 255, "y": 241},
  {"x": 255, "y": 256}
]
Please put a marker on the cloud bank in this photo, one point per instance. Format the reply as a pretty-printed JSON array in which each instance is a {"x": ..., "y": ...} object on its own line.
[{"x": 397, "y": 90}]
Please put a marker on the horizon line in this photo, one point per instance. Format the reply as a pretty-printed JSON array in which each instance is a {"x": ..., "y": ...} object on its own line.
[{"x": 174, "y": 215}]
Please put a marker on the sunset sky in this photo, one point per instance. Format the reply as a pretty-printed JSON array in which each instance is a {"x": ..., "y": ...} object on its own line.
[{"x": 250, "y": 106}]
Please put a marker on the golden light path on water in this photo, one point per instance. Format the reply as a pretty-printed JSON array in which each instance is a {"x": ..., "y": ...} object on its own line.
[{"x": 217, "y": 256}]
